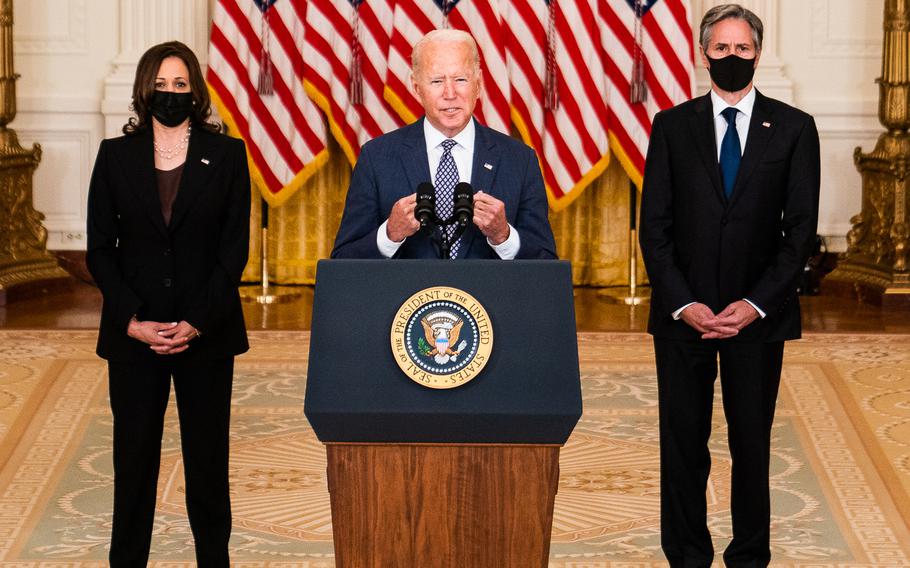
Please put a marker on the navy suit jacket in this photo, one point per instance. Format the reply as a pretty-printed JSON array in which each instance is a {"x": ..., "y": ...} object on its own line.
[
  {"x": 700, "y": 246},
  {"x": 391, "y": 166}
]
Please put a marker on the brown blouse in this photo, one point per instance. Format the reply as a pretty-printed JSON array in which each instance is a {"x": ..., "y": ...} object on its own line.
[{"x": 168, "y": 183}]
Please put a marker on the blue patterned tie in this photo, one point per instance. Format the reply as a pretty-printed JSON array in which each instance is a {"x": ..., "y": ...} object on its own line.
[
  {"x": 446, "y": 180},
  {"x": 730, "y": 151}
]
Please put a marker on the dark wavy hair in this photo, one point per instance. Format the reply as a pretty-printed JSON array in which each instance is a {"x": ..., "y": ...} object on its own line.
[{"x": 144, "y": 87}]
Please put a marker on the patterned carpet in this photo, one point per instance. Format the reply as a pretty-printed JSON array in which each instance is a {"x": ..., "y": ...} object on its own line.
[{"x": 841, "y": 463}]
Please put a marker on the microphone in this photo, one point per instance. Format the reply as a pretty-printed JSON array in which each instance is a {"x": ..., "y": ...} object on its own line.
[
  {"x": 463, "y": 210},
  {"x": 426, "y": 204}
]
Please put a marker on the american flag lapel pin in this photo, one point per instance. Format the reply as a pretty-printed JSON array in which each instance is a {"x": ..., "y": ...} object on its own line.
[
  {"x": 204, "y": 161},
  {"x": 488, "y": 166},
  {"x": 766, "y": 124}
]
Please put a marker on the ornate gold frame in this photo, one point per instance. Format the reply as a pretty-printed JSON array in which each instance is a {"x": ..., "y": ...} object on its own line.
[{"x": 23, "y": 240}]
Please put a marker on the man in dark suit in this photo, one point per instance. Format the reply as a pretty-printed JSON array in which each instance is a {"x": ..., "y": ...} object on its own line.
[
  {"x": 728, "y": 218},
  {"x": 510, "y": 204}
]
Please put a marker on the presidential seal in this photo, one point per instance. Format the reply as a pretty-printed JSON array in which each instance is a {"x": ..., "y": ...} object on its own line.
[{"x": 441, "y": 337}]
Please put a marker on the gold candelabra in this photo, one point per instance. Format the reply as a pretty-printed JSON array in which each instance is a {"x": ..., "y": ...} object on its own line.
[
  {"x": 875, "y": 265},
  {"x": 23, "y": 240}
]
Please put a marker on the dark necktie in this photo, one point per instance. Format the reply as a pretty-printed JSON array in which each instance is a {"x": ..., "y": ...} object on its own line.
[
  {"x": 730, "y": 151},
  {"x": 446, "y": 179}
]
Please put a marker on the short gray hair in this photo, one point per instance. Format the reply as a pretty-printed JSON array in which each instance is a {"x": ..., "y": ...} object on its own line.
[
  {"x": 445, "y": 36},
  {"x": 725, "y": 11}
]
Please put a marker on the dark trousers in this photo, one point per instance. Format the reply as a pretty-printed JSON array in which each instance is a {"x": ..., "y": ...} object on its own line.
[
  {"x": 750, "y": 377},
  {"x": 139, "y": 394}
]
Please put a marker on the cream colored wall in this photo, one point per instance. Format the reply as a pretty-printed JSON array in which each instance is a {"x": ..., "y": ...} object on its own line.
[
  {"x": 77, "y": 58},
  {"x": 833, "y": 54},
  {"x": 63, "y": 50}
]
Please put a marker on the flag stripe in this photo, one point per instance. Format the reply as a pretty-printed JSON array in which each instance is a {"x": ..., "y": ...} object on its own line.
[
  {"x": 244, "y": 127},
  {"x": 576, "y": 68},
  {"x": 661, "y": 45},
  {"x": 263, "y": 116},
  {"x": 283, "y": 131},
  {"x": 282, "y": 80},
  {"x": 483, "y": 22},
  {"x": 329, "y": 49},
  {"x": 622, "y": 49},
  {"x": 250, "y": 104},
  {"x": 288, "y": 106}
]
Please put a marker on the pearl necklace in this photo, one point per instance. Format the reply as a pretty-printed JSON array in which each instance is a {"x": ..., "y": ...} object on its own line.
[{"x": 169, "y": 153}]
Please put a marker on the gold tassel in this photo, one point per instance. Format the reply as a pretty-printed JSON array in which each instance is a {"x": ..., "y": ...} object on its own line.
[
  {"x": 265, "y": 85},
  {"x": 356, "y": 86},
  {"x": 639, "y": 88},
  {"x": 551, "y": 86},
  {"x": 446, "y": 8}
]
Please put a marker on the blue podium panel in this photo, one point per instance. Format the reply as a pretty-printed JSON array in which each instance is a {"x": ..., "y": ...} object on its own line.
[{"x": 528, "y": 392}]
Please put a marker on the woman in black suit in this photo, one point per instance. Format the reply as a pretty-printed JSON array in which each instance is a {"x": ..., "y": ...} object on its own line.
[{"x": 168, "y": 237}]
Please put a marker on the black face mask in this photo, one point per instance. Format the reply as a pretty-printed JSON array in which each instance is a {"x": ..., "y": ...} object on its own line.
[
  {"x": 731, "y": 73},
  {"x": 171, "y": 109}
]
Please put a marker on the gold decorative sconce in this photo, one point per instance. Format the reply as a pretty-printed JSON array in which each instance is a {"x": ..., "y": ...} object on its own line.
[
  {"x": 23, "y": 240},
  {"x": 876, "y": 263}
]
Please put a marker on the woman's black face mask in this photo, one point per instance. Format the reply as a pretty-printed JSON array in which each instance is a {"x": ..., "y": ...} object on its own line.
[{"x": 170, "y": 108}]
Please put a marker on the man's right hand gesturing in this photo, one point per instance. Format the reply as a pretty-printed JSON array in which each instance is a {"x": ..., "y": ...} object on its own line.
[{"x": 402, "y": 223}]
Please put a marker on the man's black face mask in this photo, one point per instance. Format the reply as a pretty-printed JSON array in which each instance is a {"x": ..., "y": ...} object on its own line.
[{"x": 731, "y": 73}]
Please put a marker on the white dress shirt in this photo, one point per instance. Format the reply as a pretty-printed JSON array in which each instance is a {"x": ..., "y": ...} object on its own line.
[
  {"x": 743, "y": 117},
  {"x": 463, "y": 154}
]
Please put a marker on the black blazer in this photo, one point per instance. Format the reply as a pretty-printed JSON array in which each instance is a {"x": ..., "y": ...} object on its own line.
[
  {"x": 188, "y": 270},
  {"x": 391, "y": 166},
  {"x": 698, "y": 246}
]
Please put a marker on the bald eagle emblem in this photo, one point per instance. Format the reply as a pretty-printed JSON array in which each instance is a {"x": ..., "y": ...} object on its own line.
[
  {"x": 441, "y": 330},
  {"x": 441, "y": 337}
]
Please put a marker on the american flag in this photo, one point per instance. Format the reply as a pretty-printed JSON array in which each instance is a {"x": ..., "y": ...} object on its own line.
[
  {"x": 571, "y": 139},
  {"x": 414, "y": 18},
  {"x": 666, "y": 54},
  {"x": 565, "y": 72},
  {"x": 345, "y": 51},
  {"x": 255, "y": 76},
  {"x": 595, "y": 47}
]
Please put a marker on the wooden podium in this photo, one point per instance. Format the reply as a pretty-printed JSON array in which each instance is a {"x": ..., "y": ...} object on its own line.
[
  {"x": 442, "y": 505},
  {"x": 461, "y": 477}
]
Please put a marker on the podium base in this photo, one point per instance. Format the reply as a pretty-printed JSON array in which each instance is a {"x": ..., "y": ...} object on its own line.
[
  {"x": 268, "y": 294},
  {"x": 626, "y": 296},
  {"x": 470, "y": 506}
]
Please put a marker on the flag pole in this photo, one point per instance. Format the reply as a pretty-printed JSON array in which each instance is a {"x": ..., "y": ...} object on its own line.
[
  {"x": 631, "y": 296},
  {"x": 265, "y": 293}
]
